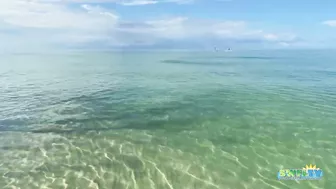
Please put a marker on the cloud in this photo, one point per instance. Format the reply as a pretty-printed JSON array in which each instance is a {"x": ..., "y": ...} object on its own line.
[
  {"x": 43, "y": 14},
  {"x": 121, "y": 2},
  {"x": 179, "y": 1},
  {"x": 183, "y": 27},
  {"x": 137, "y": 2},
  {"x": 331, "y": 23},
  {"x": 150, "y": 2},
  {"x": 53, "y": 23}
]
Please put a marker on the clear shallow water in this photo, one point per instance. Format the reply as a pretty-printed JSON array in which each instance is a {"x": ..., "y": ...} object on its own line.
[{"x": 166, "y": 120}]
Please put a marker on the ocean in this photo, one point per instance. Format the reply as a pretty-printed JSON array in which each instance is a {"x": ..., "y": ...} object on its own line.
[{"x": 167, "y": 120}]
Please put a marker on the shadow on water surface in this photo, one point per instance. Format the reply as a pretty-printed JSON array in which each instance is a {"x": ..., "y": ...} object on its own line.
[
  {"x": 228, "y": 56},
  {"x": 187, "y": 113},
  {"x": 177, "y": 125},
  {"x": 192, "y": 62},
  {"x": 255, "y": 57},
  {"x": 220, "y": 60}
]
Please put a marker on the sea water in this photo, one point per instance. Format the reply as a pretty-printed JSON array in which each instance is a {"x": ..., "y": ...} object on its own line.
[{"x": 166, "y": 120}]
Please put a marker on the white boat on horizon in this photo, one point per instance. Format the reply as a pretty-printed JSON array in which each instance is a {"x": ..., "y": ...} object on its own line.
[{"x": 228, "y": 50}]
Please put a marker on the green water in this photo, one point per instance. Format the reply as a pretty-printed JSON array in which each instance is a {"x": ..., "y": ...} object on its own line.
[{"x": 164, "y": 120}]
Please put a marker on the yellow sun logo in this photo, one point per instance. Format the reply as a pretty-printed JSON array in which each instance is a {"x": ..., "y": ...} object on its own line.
[{"x": 308, "y": 167}]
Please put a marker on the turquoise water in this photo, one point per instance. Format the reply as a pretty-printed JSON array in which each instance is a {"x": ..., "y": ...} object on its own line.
[{"x": 166, "y": 120}]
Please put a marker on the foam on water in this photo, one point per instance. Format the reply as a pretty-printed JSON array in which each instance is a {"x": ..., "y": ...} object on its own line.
[{"x": 137, "y": 121}]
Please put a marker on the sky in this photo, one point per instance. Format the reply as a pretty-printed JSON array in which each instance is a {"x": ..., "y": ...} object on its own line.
[{"x": 166, "y": 24}]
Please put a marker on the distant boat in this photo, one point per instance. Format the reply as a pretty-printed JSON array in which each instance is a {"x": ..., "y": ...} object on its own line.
[{"x": 228, "y": 50}]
